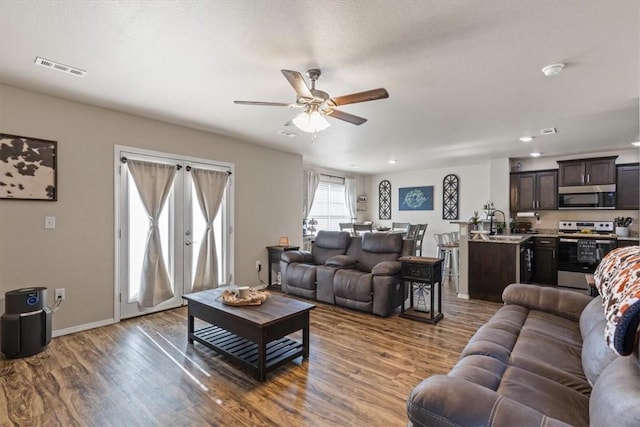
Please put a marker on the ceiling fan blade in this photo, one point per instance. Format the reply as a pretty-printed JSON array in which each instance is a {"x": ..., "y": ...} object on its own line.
[
  {"x": 269, "y": 104},
  {"x": 337, "y": 114},
  {"x": 296, "y": 80},
  {"x": 370, "y": 95}
]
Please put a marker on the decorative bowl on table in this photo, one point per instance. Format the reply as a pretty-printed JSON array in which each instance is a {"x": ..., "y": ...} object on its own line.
[{"x": 255, "y": 297}]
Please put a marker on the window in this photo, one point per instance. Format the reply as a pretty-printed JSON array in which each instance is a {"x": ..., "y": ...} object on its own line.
[{"x": 329, "y": 208}]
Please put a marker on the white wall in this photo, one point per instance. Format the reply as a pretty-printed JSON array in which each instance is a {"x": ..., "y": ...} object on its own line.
[
  {"x": 79, "y": 254},
  {"x": 475, "y": 190}
]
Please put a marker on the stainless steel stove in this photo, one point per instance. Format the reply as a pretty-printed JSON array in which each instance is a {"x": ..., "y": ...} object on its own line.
[{"x": 581, "y": 246}]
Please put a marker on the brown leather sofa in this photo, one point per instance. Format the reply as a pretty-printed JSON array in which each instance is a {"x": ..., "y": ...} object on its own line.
[
  {"x": 541, "y": 360},
  {"x": 365, "y": 276}
]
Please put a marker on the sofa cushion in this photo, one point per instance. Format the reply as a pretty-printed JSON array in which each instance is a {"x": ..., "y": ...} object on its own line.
[
  {"x": 329, "y": 244},
  {"x": 596, "y": 355},
  {"x": 545, "y": 395},
  {"x": 301, "y": 279},
  {"x": 353, "y": 289},
  {"x": 378, "y": 247}
]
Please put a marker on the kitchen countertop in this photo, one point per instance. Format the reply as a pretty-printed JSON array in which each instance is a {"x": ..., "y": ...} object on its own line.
[{"x": 516, "y": 239}]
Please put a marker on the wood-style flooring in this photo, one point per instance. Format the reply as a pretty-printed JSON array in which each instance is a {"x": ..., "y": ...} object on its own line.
[{"x": 142, "y": 372}]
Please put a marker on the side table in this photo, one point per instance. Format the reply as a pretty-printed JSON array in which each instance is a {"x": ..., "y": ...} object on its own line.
[
  {"x": 274, "y": 257},
  {"x": 426, "y": 274}
]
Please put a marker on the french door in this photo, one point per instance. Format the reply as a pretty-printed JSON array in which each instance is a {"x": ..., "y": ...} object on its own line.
[{"x": 181, "y": 225}]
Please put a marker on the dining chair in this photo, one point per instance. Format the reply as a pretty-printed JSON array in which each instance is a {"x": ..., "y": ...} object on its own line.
[
  {"x": 346, "y": 226},
  {"x": 359, "y": 229},
  {"x": 419, "y": 238},
  {"x": 400, "y": 226}
]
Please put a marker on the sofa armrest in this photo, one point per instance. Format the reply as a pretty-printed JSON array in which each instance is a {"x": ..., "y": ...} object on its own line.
[
  {"x": 297, "y": 256},
  {"x": 561, "y": 302},
  {"x": 386, "y": 268},
  {"x": 341, "y": 261},
  {"x": 446, "y": 401}
]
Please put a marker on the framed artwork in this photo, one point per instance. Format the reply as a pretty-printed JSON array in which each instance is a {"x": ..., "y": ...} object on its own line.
[
  {"x": 27, "y": 168},
  {"x": 384, "y": 200},
  {"x": 450, "y": 189},
  {"x": 415, "y": 198}
]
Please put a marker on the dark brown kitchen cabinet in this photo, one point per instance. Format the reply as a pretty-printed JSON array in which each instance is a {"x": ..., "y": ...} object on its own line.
[
  {"x": 534, "y": 190},
  {"x": 628, "y": 186},
  {"x": 545, "y": 261},
  {"x": 599, "y": 171}
]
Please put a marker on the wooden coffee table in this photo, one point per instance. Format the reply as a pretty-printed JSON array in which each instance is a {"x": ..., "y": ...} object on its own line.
[{"x": 255, "y": 336}]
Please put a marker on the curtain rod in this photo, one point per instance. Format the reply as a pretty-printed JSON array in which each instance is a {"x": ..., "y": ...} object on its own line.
[
  {"x": 332, "y": 176},
  {"x": 124, "y": 160}
]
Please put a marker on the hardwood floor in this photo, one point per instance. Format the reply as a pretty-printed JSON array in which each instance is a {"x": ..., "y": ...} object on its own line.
[{"x": 142, "y": 372}]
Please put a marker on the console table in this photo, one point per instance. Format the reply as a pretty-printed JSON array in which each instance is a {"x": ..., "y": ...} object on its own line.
[
  {"x": 274, "y": 257},
  {"x": 426, "y": 274}
]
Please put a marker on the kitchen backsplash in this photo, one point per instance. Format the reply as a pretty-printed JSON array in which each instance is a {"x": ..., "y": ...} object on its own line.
[{"x": 550, "y": 219}]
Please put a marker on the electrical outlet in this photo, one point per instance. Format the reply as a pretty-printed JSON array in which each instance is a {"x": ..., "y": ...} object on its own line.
[
  {"x": 59, "y": 294},
  {"x": 258, "y": 265}
]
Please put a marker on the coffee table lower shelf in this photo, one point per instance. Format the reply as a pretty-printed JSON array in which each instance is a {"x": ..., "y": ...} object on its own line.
[{"x": 278, "y": 352}]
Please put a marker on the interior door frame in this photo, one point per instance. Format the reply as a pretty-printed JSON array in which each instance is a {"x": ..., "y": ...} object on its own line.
[{"x": 117, "y": 149}]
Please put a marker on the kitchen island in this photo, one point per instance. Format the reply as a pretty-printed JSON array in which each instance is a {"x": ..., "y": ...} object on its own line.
[{"x": 497, "y": 261}]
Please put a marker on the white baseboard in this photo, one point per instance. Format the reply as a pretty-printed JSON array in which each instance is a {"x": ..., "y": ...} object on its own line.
[
  {"x": 464, "y": 296},
  {"x": 80, "y": 328}
]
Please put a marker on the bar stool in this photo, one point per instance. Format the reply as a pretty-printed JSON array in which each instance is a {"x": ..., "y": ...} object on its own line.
[{"x": 448, "y": 249}]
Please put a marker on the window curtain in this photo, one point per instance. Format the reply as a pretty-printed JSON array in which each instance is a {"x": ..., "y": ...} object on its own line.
[
  {"x": 210, "y": 186},
  {"x": 310, "y": 185},
  {"x": 154, "y": 182},
  {"x": 350, "y": 197}
]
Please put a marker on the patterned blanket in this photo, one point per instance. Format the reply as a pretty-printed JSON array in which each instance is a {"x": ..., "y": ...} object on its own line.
[{"x": 618, "y": 281}]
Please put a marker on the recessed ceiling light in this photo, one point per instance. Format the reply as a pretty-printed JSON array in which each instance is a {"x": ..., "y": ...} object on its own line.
[
  {"x": 636, "y": 143},
  {"x": 60, "y": 67},
  {"x": 527, "y": 138},
  {"x": 535, "y": 154},
  {"x": 553, "y": 69},
  {"x": 392, "y": 162}
]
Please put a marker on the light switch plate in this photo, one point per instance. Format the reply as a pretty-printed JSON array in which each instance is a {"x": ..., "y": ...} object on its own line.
[{"x": 49, "y": 222}]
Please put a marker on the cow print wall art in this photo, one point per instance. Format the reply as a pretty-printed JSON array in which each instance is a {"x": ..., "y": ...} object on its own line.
[{"x": 27, "y": 168}]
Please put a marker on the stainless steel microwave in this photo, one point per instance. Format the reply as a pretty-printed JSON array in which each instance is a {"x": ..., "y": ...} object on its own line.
[{"x": 587, "y": 197}]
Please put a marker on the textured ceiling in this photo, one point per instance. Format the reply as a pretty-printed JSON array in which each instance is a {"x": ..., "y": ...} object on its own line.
[{"x": 463, "y": 76}]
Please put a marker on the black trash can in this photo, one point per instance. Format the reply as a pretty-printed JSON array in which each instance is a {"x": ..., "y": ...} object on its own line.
[{"x": 25, "y": 326}]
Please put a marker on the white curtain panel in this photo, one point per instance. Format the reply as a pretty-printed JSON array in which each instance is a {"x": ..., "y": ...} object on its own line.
[
  {"x": 153, "y": 181},
  {"x": 310, "y": 185},
  {"x": 350, "y": 196},
  {"x": 210, "y": 186}
]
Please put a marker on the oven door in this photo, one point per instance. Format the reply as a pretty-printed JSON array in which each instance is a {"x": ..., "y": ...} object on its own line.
[{"x": 572, "y": 269}]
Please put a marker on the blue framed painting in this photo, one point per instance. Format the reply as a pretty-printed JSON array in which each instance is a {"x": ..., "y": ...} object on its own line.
[{"x": 416, "y": 198}]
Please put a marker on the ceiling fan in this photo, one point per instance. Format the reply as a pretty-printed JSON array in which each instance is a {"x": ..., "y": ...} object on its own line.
[{"x": 317, "y": 104}]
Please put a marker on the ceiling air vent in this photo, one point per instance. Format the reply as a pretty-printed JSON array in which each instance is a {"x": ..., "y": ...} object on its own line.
[
  {"x": 60, "y": 67},
  {"x": 287, "y": 133},
  {"x": 548, "y": 131}
]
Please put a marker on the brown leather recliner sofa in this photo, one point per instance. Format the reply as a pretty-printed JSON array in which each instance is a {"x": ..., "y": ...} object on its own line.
[
  {"x": 541, "y": 360},
  {"x": 363, "y": 274}
]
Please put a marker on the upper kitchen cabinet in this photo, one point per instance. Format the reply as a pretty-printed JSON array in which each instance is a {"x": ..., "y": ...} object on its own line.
[
  {"x": 628, "y": 186},
  {"x": 534, "y": 190},
  {"x": 600, "y": 171}
]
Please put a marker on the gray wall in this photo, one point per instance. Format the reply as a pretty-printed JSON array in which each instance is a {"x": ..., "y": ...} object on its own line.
[{"x": 79, "y": 254}]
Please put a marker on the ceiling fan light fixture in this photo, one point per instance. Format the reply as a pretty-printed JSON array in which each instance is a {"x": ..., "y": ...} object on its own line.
[
  {"x": 553, "y": 70},
  {"x": 311, "y": 122}
]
